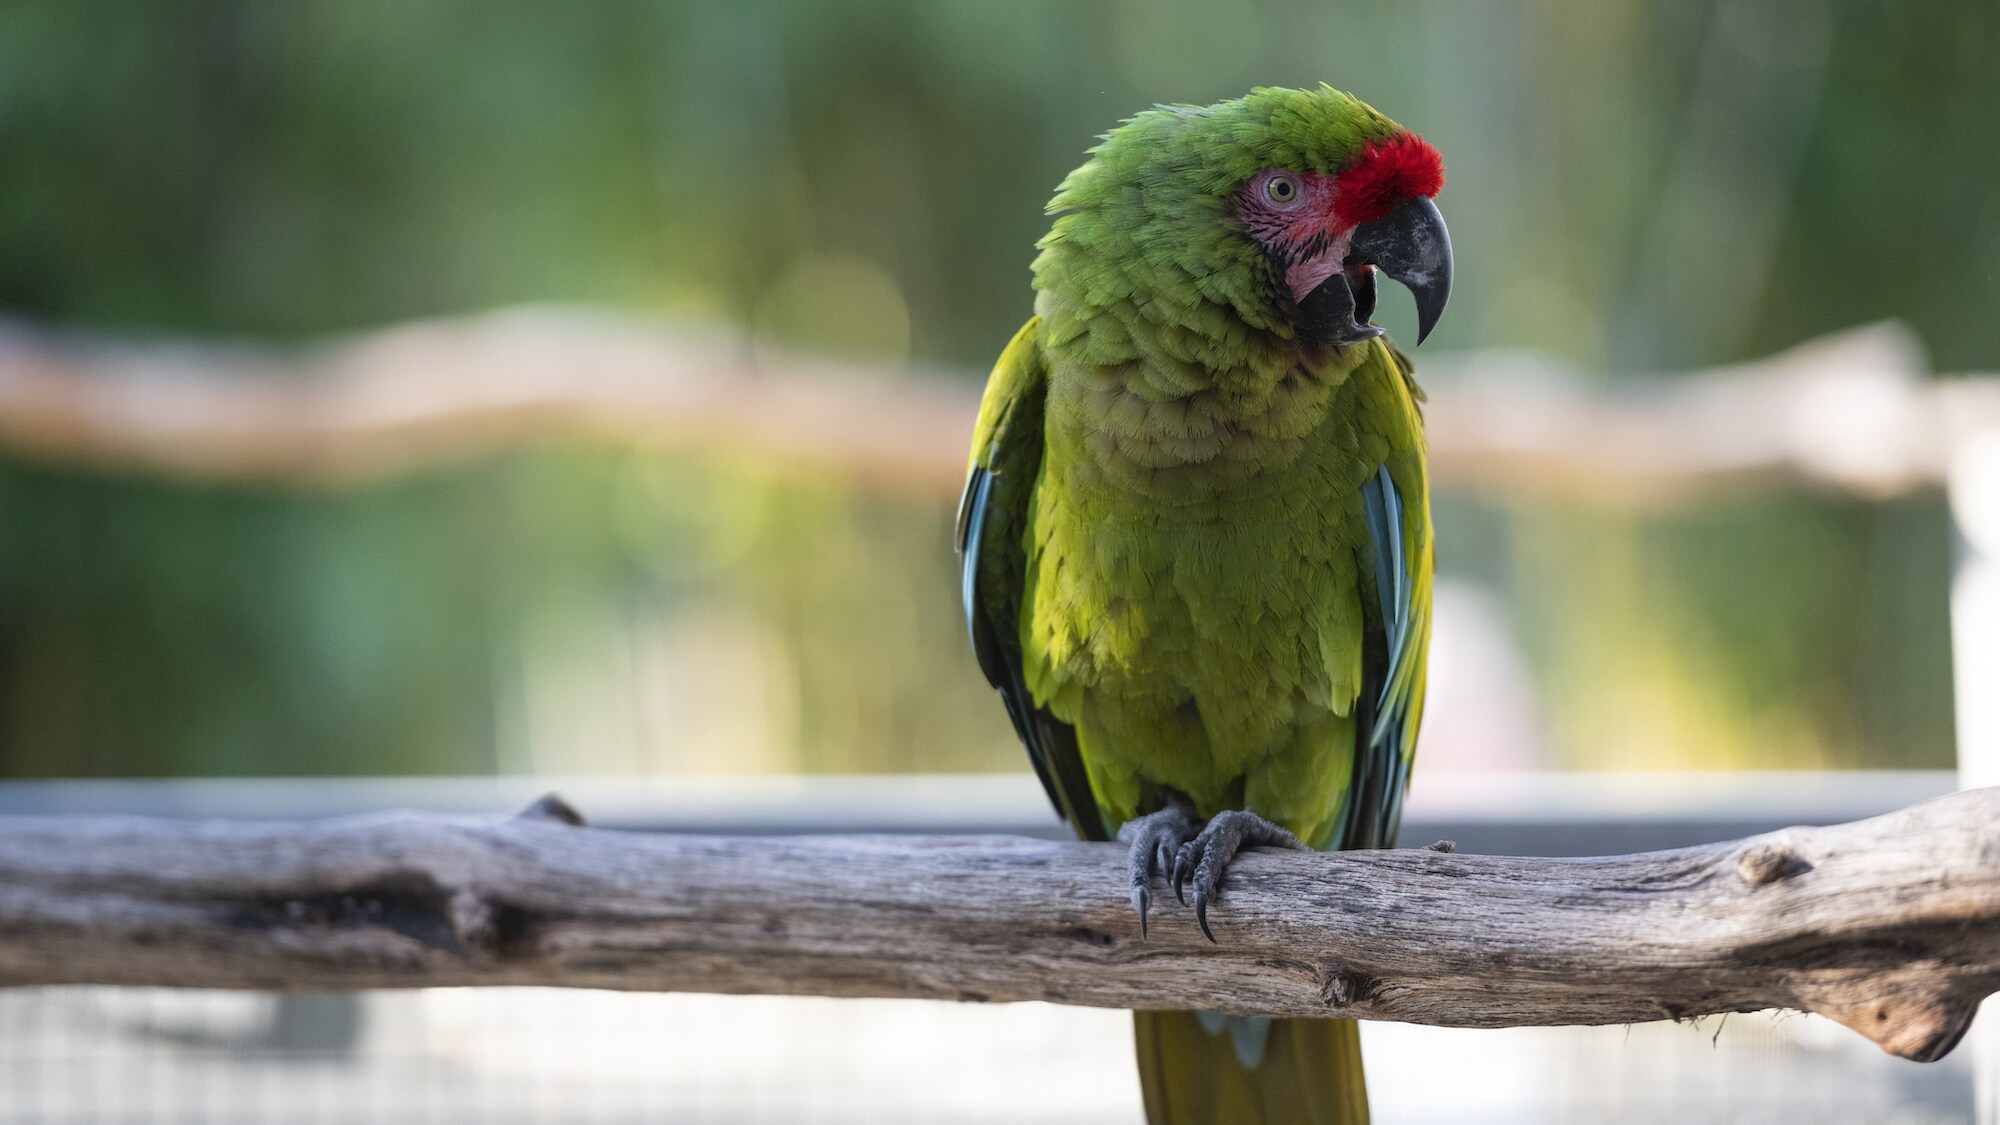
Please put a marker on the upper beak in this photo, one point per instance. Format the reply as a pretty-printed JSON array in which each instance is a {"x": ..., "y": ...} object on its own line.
[{"x": 1411, "y": 245}]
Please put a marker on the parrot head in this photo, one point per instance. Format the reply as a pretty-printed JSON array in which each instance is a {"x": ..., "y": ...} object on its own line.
[{"x": 1281, "y": 205}]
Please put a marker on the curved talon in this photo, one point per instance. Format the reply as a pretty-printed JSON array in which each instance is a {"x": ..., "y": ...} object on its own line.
[
  {"x": 1149, "y": 839},
  {"x": 1198, "y": 859},
  {"x": 1203, "y": 861}
]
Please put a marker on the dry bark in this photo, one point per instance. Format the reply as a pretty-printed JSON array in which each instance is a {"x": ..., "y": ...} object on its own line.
[{"x": 1889, "y": 925}]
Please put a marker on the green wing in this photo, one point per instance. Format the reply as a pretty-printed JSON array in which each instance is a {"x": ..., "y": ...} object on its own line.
[
  {"x": 1399, "y": 632},
  {"x": 993, "y": 564}
]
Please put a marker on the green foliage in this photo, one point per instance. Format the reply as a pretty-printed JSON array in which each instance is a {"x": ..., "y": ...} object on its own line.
[
  {"x": 1776, "y": 633},
  {"x": 1644, "y": 184},
  {"x": 1632, "y": 185},
  {"x": 151, "y": 628},
  {"x": 567, "y": 611}
]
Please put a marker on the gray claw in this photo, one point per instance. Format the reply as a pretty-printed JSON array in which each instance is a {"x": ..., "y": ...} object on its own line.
[
  {"x": 1151, "y": 838},
  {"x": 1203, "y": 860}
]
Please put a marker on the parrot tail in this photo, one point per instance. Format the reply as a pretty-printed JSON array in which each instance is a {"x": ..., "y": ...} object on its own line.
[{"x": 1203, "y": 1068}]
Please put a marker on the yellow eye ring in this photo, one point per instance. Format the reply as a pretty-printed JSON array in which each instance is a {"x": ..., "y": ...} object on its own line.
[{"x": 1282, "y": 190}]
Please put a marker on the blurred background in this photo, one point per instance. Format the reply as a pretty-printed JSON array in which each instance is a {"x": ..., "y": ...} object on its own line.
[{"x": 1634, "y": 189}]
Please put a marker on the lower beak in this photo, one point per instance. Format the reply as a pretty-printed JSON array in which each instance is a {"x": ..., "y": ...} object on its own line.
[{"x": 1336, "y": 312}]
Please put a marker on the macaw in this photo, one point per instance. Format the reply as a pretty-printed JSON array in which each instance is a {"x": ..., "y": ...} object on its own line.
[{"x": 1196, "y": 537}]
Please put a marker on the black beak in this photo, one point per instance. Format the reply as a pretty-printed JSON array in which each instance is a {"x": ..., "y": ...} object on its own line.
[
  {"x": 1411, "y": 245},
  {"x": 1336, "y": 312}
]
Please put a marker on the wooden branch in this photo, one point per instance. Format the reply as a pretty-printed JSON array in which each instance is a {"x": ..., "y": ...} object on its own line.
[
  {"x": 442, "y": 391},
  {"x": 1850, "y": 412},
  {"x": 1889, "y": 925}
]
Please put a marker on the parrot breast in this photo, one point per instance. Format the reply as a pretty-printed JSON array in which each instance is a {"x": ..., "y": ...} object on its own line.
[{"x": 1195, "y": 607}]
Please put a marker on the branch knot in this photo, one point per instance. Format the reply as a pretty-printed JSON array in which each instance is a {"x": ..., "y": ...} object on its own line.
[
  {"x": 473, "y": 920},
  {"x": 1343, "y": 986},
  {"x": 1769, "y": 862}
]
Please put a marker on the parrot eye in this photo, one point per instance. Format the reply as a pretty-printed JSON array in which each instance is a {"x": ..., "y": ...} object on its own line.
[{"x": 1282, "y": 189}]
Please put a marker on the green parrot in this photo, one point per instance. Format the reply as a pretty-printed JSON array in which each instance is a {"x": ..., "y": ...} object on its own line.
[{"x": 1196, "y": 538}]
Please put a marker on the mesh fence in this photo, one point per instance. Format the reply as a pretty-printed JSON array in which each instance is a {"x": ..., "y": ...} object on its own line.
[{"x": 75, "y": 1055}]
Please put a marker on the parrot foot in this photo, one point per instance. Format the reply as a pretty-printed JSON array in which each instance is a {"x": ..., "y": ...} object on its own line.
[
  {"x": 1154, "y": 840},
  {"x": 1201, "y": 860}
]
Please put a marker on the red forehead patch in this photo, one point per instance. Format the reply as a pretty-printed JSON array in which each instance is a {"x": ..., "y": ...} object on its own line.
[{"x": 1385, "y": 174}]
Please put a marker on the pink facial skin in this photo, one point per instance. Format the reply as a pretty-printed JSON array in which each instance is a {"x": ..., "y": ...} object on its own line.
[{"x": 1304, "y": 232}]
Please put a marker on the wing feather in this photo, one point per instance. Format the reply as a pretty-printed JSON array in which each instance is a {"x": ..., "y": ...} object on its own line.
[
  {"x": 1393, "y": 677},
  {"x": 993, "y": 562}
]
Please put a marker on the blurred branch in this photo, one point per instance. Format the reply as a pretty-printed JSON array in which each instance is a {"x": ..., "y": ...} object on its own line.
[
  {"x": 441, "y": 391},
  {"x": 1890, "y": 926},
  {"x": 1852, "y": 412}
]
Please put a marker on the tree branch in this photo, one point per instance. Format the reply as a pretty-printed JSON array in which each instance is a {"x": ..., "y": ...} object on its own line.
[
  {"x": 1889, "y": 925},
  {"x": 1851, "y": 412}
]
